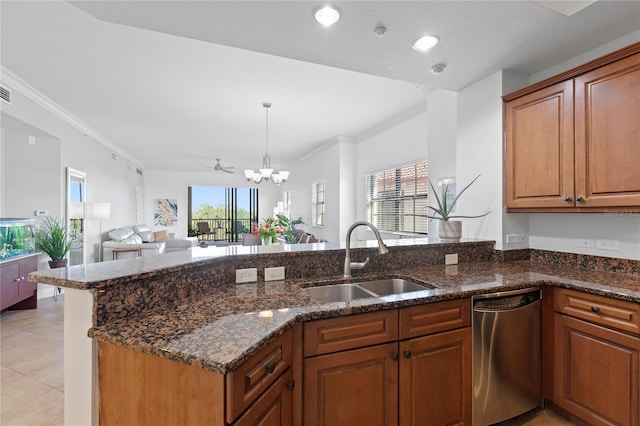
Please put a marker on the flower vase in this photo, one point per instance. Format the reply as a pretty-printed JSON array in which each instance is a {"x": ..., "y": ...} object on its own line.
[{"x": 266, "y": 240}]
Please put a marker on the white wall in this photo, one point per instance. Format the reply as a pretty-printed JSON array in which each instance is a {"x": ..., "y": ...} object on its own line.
[
  {"x": 108, "y": 180},
  {"x": 479, "y": 152},
  {"x": 325, "y": 164},
  {"x": 175, "y": 183},
  {"x": 441, "y": 141}
]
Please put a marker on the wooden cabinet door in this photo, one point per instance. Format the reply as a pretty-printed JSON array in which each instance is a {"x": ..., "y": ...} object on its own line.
[
  {"x": 354, "y": 387},
  {"x": 26, "y": 287},
  {"x": 274, "y": 407},
  {"x": 9, "y": 275},
  {"x": 597, "y": 372},
  {"x": 539, "y": 152},
  {"x": 435, "y": 379},
  {"x": 607, "y": 131}
]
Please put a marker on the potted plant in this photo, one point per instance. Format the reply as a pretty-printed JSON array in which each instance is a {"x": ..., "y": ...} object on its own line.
[
  {"x": 55, "y": 240},
  {"x": 449, "y": 230}
]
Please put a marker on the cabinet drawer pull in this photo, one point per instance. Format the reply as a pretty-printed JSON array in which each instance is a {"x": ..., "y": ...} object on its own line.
[
  {"x": 579, "y": 198},
  {"x": 566, "y": 198},
  {"x": 271, "y": 367},
  {"x": 595, "y": 309},
  {"x": 407, "y": 354},
  {"x": 291, "y": 384},
  {"x": 395, "y": 356}
]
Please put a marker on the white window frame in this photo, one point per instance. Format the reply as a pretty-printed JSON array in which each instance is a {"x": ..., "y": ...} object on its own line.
[{"x": 318, "y": 207}]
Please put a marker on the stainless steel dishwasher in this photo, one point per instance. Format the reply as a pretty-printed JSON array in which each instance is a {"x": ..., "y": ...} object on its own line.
[{"x": 506, "y": 355}]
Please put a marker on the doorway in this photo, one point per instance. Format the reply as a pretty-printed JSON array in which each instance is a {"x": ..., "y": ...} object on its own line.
[{"x": 222, "y": 213}]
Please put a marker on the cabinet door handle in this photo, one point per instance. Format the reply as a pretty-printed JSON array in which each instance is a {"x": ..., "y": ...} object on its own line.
[
  {"x": 579, "y": 198},
  {"x": 595, "y": 309},
  {"x": 17, "y": 280},
  {"x": 566, "y": 198},
  {"x": 407, "y": 354},
  {"x": 271, "y": 367},
  {"x": 395, "y": 356},
  {"x": 291, "y": 384}
]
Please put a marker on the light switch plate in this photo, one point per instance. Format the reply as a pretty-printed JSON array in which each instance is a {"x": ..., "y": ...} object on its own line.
[
  {"x": 274, "y": 274},
  {"x": 246, "y": 275}
]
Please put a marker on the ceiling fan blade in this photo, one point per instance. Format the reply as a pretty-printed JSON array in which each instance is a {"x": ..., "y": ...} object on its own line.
[{"x": 227, "y": 171}]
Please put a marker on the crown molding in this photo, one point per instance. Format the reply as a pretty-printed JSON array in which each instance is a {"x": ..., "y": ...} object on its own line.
[{"x": 21, "y": 86}]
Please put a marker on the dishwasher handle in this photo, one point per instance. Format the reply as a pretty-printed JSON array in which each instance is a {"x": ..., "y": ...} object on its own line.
[{"x": 506, "y": 303}]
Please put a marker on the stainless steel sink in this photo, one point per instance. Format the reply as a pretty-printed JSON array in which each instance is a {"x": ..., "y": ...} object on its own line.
[
  {"x": 338, "y": 293},
  {"x": 391, "y": 286},
  {"x": 365, "y": 289}
]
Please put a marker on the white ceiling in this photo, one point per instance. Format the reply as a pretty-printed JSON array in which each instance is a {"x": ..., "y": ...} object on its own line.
[{"x": 175, "y": 82}]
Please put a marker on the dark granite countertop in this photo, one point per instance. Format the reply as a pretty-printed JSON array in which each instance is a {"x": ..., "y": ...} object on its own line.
[
  {"x": 93, "y": 275},
  {"x": 221, "y": 330}
]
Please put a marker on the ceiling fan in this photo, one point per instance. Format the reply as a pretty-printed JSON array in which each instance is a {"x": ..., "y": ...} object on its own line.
[{"x": 219, "y": 168}]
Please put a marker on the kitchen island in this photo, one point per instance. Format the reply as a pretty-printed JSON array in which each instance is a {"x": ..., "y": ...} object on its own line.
[{"x": 188, "y": 310}]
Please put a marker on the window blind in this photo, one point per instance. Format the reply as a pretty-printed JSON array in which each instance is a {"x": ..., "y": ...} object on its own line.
[{"x": 397, "y": 198}]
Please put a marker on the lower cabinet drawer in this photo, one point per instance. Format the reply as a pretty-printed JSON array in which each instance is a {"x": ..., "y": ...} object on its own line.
[
  {"x": 248, "y": 382},
  {"x": 273, "y": 407},
  {"x": 350, "y": 332},
  {"x": 422, "y": 320},
  {"x": 618, "y": 314}
]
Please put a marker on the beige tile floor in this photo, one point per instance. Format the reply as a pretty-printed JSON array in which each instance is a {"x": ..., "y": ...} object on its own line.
[
  {"x": 32, "y": 384},
  {"x": 31, "y": 359}
]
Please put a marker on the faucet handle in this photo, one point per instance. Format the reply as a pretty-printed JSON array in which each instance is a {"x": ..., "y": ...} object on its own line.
[{"x": 359, "y": 265}]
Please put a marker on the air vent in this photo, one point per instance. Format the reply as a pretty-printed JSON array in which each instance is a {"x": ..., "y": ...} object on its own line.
[
  {"x": 5, "y": 94},
  {"x": 139, "y": 171}
]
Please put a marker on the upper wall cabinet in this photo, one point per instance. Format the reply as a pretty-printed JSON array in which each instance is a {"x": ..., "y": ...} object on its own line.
[{"x": 572, "y": 142}]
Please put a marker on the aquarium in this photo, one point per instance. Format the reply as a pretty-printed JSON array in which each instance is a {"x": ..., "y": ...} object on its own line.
[{"x": 17, "y": 237}]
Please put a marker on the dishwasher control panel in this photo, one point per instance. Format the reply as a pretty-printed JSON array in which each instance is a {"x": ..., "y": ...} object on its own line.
[{"x": 502, "y": 303}]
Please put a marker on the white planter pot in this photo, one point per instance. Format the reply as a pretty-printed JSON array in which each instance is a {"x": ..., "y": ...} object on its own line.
[{"x": 450, "y": 231}]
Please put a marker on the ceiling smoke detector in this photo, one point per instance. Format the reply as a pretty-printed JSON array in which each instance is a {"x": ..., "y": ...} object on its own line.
[
  {"x": 438, "y": 69},
  {"x": 380, "y": 30}
]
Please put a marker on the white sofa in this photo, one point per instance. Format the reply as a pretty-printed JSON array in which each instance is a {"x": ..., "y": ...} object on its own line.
[{"x": 143, "y": 238}]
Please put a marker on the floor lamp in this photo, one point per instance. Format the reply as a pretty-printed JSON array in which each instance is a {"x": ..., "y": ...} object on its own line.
[{"x": 100, "y": 211}]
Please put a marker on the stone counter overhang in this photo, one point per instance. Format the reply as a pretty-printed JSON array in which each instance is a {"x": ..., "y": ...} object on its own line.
[{"x": 221, "y": 325}]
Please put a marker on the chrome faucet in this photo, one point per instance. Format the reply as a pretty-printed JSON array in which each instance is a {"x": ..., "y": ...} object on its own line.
[{"x": 348, "y": 264}]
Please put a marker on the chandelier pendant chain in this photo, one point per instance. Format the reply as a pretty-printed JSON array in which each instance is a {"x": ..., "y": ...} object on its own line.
[{"x": 266, "y": 173}]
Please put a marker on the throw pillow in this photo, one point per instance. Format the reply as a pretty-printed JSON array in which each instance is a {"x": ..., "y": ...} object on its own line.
[
  {"x": 140, "y": 228},
  {"x": 120, "y": 234},
  {"x": 161, "y": 236},
  {"x": 147, "y": 236}
]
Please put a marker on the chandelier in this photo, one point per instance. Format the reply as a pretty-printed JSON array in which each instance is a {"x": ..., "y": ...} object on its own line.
[{"x": 266, "y": 172}]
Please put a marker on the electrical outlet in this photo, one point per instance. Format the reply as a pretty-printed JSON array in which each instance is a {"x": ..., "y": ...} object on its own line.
[
  {"x": 274, "y": 274},
  {"x": 516, "y": 238},
  {"x": 246, "y": 275},
  {"x": 451, "y": 259},
  {"x": 611, "y": 245},
  {"x": 585, "y": 243}
]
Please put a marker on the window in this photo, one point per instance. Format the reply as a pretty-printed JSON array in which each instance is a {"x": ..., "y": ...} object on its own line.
[
  {"x": 222, "y": 214},
  {"x": 317, "y": 203},
  {"x": 397, "y": 199},
  {"x": 286, "y": 201}
]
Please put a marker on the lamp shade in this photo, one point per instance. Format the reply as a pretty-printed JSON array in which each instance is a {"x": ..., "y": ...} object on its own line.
[{"x": 99, "y": 211}]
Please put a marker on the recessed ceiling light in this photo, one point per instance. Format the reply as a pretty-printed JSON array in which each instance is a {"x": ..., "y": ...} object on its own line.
[
  {"x": 425, "y": 43},
  {"x": 327, "y": 15}
]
